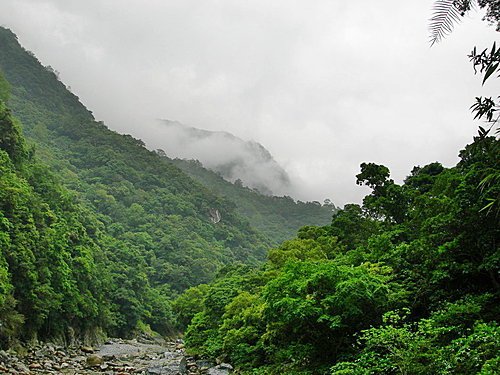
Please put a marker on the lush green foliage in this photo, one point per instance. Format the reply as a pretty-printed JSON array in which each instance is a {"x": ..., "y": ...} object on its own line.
[
  {"x": 104, "y": 234},
  {"x": 408, "y": 283},
  {"x": 141, "y": 198},
  {"x": 95, "y": 230},
  {"x": 109, "y": 232},
  {"x": 49, "y": 264},
  {"x": 452, "y": 340},
  {"x": 278, "y": 218}
]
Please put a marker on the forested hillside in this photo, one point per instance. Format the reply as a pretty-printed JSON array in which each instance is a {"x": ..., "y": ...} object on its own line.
[
  {"x": 123, "y": 228},
  {"x": 142, "y": 197},
  {"x": 407, "y": 283},
  {"x": 52, "y": 263},
  {"x": 150, "y": 221},
  {"x": 278, "y": 218},
  {"x": 100, "y": 236}
]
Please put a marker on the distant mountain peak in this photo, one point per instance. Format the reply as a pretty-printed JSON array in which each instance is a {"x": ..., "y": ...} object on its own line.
[{"x": 230, "y": 156}]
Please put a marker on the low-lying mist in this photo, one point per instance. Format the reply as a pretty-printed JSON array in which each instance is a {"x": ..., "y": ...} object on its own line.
[{"x": 232, "y": 157}]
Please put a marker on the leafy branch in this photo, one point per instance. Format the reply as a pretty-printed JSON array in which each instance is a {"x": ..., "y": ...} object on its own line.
[
  {"x": 488, "y": 64},
  {"x": 446, "y": 13}
]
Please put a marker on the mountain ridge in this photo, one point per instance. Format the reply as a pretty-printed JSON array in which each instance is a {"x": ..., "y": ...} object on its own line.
[
  {"x": 147, "y": 227},
  {"x": 155, "y": 231},
  {"x": 222, "y": 152},
  {"x": 278, "y": 217}
]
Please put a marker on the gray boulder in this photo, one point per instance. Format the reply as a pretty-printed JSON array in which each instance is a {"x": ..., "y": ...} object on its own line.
[
  {"x": 222, "y": 369},
  {"x": 169, "y": 365}
]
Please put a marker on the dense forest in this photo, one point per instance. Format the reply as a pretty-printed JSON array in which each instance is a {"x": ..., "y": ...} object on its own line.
[
  {"x": 278, "y": 218},
  {"x": 100, "y": 236},
  {"x": 406, "y": 283},
  {"x": 112, "y": 239}
]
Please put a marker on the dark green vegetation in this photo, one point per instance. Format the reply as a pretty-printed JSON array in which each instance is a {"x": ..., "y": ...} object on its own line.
[
  {"x": 50, "y": 263},
  {"x": 278, "y": 218},
  {"x": 408, "y": 283},
  {"x": 97, "y": 232}
]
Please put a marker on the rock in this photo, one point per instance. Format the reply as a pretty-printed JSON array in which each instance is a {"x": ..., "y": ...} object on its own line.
[
  {"x": 79, "y": 358},
  {"x": 222, "y": 369},
  {"x": 108, "y": 357},
  {"x": 22, "y": 368},
  {"x": 158, "y": 370},
  {"x": 40, "y": 353},
  {"x": 111, "y": 364},
  {"x": 170, "y": 355},
  {"x": 204, "y": 364},
  {"x": 118, "y": 356},
  {"x": 169, "y": 366},
  {"x": 60, "y": 353},
  {"x": 119, "y": 349},
  {"x": 94, "y": 360},
  {"x": 87, "y": 349},
  {"x": 4, "y": 356}
]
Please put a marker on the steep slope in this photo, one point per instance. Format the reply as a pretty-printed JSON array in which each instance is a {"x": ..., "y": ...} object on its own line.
[
  {"x": 51, "y": 270},
  {"x": 141, "y": 198},
  {"x": 133, "y": 230},
  {"x": 222, "y": 152},
  {"x": 279, "y": 218},
  {"x": 85, "y": 152}
]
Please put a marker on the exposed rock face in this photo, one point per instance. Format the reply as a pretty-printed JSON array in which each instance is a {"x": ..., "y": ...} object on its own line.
[{"x": 116, "y": 356}]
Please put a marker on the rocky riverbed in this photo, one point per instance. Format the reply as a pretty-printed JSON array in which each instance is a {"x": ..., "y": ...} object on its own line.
[{"x": 116, "y": 356}]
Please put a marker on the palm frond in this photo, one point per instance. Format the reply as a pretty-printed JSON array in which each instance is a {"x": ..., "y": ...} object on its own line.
[{"x": 445, "y": 14}]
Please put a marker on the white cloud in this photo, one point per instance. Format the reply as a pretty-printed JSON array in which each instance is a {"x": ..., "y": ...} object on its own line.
[{"x": 323, "y": 85}]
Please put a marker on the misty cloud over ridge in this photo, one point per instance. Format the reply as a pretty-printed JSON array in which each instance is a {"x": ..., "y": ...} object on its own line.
[
  {"x": 232, "y": 157},
  {"x": 324, "y": 85}
]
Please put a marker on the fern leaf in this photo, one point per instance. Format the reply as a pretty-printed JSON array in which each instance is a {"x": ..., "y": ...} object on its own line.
[{"x": 445, "y": 16}]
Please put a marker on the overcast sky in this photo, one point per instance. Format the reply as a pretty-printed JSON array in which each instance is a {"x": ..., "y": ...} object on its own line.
[{"x": 323, "y": 84}]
